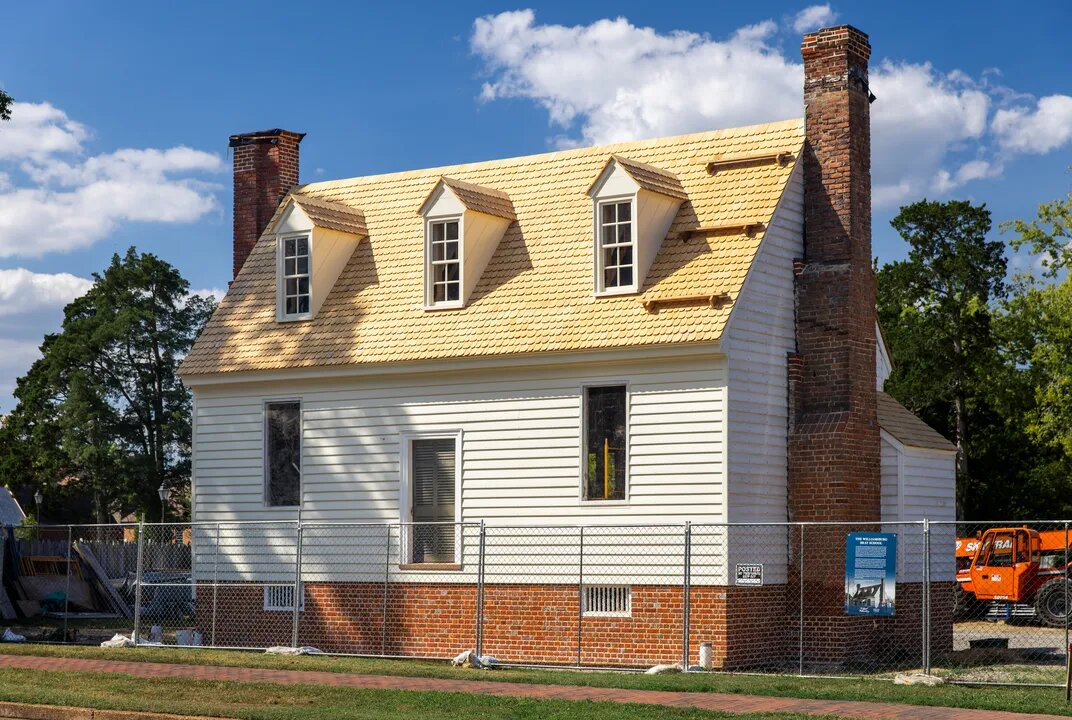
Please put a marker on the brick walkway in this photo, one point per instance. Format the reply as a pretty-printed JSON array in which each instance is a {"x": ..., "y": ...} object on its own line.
[{"x": 705, "y": 701}]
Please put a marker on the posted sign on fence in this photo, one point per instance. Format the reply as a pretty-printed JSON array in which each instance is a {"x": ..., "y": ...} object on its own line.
[{"x": 870, "y": 573}]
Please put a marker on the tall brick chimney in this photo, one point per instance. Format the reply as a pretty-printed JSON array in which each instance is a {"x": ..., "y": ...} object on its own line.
[
  {"x": 834, "y": 457},
  {"x": 265, "y": 169}
]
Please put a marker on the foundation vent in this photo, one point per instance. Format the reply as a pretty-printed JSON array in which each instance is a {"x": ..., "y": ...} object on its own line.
[
  {"x": 608, "y": 601},
  {"x": 281, "y": 598}
]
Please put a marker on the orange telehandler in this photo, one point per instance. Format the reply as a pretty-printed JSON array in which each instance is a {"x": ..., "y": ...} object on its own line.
[{"x": 1016, "y": 567}]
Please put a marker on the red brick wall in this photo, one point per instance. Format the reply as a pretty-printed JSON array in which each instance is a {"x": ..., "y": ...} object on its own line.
[
  {"x": 265, "y": 169},
  {"x": 749, "y": 628}
]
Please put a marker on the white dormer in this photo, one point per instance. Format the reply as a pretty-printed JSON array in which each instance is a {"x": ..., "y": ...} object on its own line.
[
  {"x": 633, "y": 205},
  {"x": 314, "y": 240},
  {"x": 463, "y": 224}
]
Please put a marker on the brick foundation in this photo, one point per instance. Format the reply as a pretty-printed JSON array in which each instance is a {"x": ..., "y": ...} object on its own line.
[{"x": 749, "y": 628}]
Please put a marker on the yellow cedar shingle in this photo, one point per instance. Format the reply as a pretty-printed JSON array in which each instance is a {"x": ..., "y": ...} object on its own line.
[{"x": 535, "y": 294}]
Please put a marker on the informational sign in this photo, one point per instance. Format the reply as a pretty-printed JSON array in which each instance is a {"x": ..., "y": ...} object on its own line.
[
  {"x": 870, "y": 574},
  {"x": 749, "y": 573}
]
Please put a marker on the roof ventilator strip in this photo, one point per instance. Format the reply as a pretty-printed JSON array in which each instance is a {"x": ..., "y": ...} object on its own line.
[{"x": 782, "y": 158}]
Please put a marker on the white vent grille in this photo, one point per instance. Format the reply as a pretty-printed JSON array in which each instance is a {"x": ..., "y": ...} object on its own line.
[
  {"x": 608, "y": 601},
  {"x": 281, "y": 598}
]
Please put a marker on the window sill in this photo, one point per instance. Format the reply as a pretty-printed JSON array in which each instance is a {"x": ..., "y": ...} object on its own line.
[
  {"x": 617, "y": 292},
  {"x": 293, "y": 318},
  {"x": 430, "y": 566},
  {"x": 604, "y": 503},
  {"x": 450, "y": 306}
]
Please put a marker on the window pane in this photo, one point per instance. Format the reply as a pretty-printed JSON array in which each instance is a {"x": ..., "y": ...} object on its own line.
[
  {"x": 608, "y": 213},
  {"x": 452, "y": 271},
  {"x": 452, "y": 250},
  {"x": 625, "y": 276},
  {"x": 437, "y": 232},
  {"x": 288, "y": 247},
  {"x": 437, "y": 251},
  {"x": 624, "y": 211},
  {"x": 292, "y": 286},
  {"x": 303, "y": 286},
  {"x": 302, "y": 246},
  {"x": 303, "y": 265},
  {"x": 283, "y": 453},
  {"x": 439, "y": 293},
  {"x": 610, "y": 278},
  {"x": 433, "y": 480},
  {"x": 452, "y": 231},
  {"x": 292, "y": 306},
  {"x": 453, "y": 291},
  {"x": 605, "y": 443},
  {"x": 303, "y": 303},
  {"x": 288, "y": 266},
  {"x": 625, "y": 233},
  {"x": 625, "y": 256}
]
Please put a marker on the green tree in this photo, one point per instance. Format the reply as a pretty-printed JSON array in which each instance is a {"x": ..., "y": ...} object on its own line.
[
  {"x": 103, "y": 412},
  {"x": 1049, "y": 235},
  {"x": 936, "y": 309},
  {"x": 6, "y": 101}
]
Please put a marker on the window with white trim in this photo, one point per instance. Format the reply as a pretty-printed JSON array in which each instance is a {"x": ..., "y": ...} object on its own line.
[
  {"x": 608, "y": 601},
  {"x": 605, "y": 442},
  {"x": 433, "y": 474},
  {"x": 282, "y": 453},
  {"x": 444, "y": 270},
  {"x": 616, "y": 258},
  {"x": 295, "y": 276},
  {"x": 280, "y": 598}
]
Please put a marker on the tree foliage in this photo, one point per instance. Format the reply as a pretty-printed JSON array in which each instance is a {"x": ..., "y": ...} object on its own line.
[
  {"x": 6, "y": 101},
  {"x": 987, "y": 362},
  {"x": 102, "y": 414}
]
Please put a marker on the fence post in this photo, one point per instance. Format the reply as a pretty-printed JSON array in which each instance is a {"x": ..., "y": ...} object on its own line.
[
  {"x": 480, "y": 595},
  {"x": 925, "y": 610},
  {"x": 580, "y": 593},
  {"x": 686, "y": 591},
  {"x": 215, "y": 587},
  {"x": 800, "y": 605},
  {"x": 386, "y": 581},
  {"x": 297, "y": 583},
  {"x": 139, "y": 572},
  {"x": 67, "y": 588},
  {"x": 1067, "y": 646}
]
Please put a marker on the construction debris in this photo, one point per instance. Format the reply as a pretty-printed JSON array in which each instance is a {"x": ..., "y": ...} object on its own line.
[
  {"x": 663, "y": 669},
  {"x": 481, "y": 662},
  {"x": 12, "y": 637},
  {"x": 284, "y": 650},
  {"x": 102, "y": 582},
  {"x": 917, "y": 679},
  {"x": 118, "y": 641}
]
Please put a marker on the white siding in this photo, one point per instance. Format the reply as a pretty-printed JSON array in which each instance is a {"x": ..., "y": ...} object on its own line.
[
  {"x": 521, "y": 463},
  {"x": 919, "y": 484},
  {"x": 761, "y": 332}
]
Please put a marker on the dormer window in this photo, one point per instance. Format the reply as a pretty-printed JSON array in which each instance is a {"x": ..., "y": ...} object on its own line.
[
  {"x": 633, "y": 206},
  {"x": 444, "y": 271},
  {"x": 303, "y": 227},
  {"x": 295, "y": 276},
  {"x": 617, "y": 255},
  {"x": 463, "y": 224}
]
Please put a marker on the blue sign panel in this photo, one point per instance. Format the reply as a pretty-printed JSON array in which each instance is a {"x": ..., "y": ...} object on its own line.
[{"x": 870, "y": 574}]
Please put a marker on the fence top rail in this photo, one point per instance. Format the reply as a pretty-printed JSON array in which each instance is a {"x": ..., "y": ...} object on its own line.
[{"x": 306, "y": 523}]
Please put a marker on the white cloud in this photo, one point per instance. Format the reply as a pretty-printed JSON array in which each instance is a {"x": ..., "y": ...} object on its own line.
[
  {"x": 932, "y": 131},
  {"x": 813, "y": 18},
  {"x": 1039, "y": 130},
  {"x": 15, "y": 360},
  {"x": 64, "y": 201},
  {"x": 22, "y": 291},
  {"x": 216, "y": 293},
  {"x": 38, "y": 130}
]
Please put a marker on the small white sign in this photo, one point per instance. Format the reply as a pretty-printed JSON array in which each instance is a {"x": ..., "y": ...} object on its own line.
[{"x": 749, "y": 573}]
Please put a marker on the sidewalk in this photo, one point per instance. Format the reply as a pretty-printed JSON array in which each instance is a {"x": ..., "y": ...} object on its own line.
[{"x": 705, "y": 701}]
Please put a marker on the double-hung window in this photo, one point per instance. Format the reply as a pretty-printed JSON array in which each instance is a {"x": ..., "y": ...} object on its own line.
[
  {"x": 282, "y": 453},
  {"x": 605, "y": 442},
  {"x": 295, "y": 276},
  {"x": 444, "y": 270},
  {"x": 433, "y": 478},
  {"x": 617, "y": 248}
]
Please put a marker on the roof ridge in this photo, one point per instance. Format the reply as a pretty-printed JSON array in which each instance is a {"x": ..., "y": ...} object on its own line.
[{"x": 565, "y": 154}]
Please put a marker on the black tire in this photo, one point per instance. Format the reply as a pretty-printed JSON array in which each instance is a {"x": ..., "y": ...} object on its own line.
[{"x": 1051, "y": 607}]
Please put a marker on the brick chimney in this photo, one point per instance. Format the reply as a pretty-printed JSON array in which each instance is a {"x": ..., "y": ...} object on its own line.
[
  {"x": 834, "y": 457},
  {"x": 265, "y": 169}
]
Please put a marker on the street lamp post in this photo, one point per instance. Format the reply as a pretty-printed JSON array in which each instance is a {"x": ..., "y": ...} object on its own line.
[
  {"x": 163, "y": 493},
  {"x": 38, "y": 498}
]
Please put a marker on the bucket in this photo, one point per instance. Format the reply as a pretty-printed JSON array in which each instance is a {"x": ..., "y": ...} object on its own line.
[{"x": 706, "y": 655}]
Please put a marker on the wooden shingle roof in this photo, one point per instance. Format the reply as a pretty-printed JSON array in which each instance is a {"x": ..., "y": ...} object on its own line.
[
  {"x": 535, "y": 295},
  {"x": 899, "y": 421},
  {"x": 474, "y": 197},
  {"x": 328, "y": 214}
]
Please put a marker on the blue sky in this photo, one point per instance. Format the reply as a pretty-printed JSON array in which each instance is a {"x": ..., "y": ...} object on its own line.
[{"x": 120, "y": 136}]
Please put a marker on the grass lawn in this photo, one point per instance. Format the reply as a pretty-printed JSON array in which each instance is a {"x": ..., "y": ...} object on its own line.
[
  {"x": 1035, "y": 700},
  {"x": 312, "y": 702}
]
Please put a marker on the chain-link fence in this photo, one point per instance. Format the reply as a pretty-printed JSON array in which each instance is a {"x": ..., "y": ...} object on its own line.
[{"x": 972, "y": 602}]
